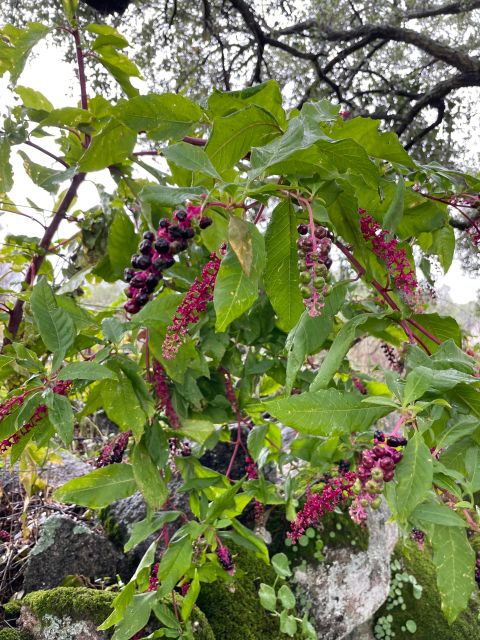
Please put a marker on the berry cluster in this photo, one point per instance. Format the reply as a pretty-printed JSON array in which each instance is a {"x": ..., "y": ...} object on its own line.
[
  {"x": 113, "y": 451},
  {"x": 321, "y": 499},
  {"x": 153, "y": 580},
  {"x": 391, "y": 355},
  {"x": 314, "y": 263},
  {"x": 156, "y": 253},
  {"x": 4, "y": 536},
  {"x": 225, "y": 559},
  {"x": 376, "y": 467},
  {"x": 418, "y": 537}
]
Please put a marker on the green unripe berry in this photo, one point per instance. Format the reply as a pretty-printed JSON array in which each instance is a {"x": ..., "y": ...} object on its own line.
[
  {"x": 357, "y": 487},
  {"x": 305, "y": 291},
  {"x": 302, "y": 265},
  {"x": 377, "y": 473},
  {"x": 371, "y": 487},
  {"x": 321, "y": 270},
  {"x": 304, "y": 277},
  {"x": 376, "y": 503},
  {"x": 319, "y": 283}
]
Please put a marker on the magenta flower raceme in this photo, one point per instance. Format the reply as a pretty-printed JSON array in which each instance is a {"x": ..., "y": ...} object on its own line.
[
  {"x": 156, "y": 253},
  {"x": 194, "y": 303},
  {"x": 163, "y": 394},
  {"x": 388, "y": 251},
  {"x": 113, "y": 451},
  {"x": 333, "y": 492},
  {"x": 61, "y": 388},
  {"x": 153, "y": 580},
  {"x": 225, "y": 559}
]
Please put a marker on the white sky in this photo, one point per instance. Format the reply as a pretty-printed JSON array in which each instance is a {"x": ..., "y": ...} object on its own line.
[{"x": 48, "y": 73}]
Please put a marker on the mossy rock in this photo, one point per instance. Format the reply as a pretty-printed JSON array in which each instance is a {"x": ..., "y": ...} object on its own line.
[
  {"x": 11, "y": 610},
  {"x": 78, "y": 603},
  {"x": 234, "y": 612},
  {"x": 14, "y": 634},
  {"x": 426, "y": 611}
]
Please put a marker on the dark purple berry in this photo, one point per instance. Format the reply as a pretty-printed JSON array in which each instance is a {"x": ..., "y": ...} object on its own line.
[
  {"x": 205, "y": 222},
  {"x": 145, "y": 247},
  {"x": 142, "y": 299},
  {"x": 151, "y": 283},
  {"x": 175, "y": 232},
  {"x": 188, "y": 233},
  {"x": 134, "y": 261},
  {"x": 379, "y": 435},
  {"x": 138, "y": 281},
  {"x": 181, "y": 215},
  {"x": 320, "y": 232},
  {"x": 144, "y": 262},
  {"x": 128, "y": 274},
  {"x": 162, "y": 245},
  {"x": 164, "y": 223},
  {"x": 132, "y": 306},
  {"x": 302, "y": 229},
  {"x": 396, "y": 441},
  {"x": 177, "y": 245},
  {"x": 149, "y": 235},
  {"x": 130, "y": 292},
  {"x": 328, "y": 263}
]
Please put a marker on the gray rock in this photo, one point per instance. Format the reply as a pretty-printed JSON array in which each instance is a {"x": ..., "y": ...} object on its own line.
[
  {"x": 66, "y": 547},
  {"x": 53, "y": 627},
  {"x": 54, "y": 474},
  {"x": 363, "y": 632},
  {"x": 350, "y": 586}
]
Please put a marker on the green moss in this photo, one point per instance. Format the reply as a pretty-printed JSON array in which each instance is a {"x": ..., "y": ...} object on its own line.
[
  {"x": 14, "y": 634},
  {"x": 111, "y": 528},
  {"x": 77, "y": 603},
  {"x": 12, "y": 609},
  {"x": 426, "y": 611},
  {"x": 236, "y": 614}
]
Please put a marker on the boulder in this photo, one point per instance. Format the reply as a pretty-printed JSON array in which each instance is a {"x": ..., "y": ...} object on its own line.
[
  {"x": 67, "y": 547},
  {"x": 350, "y": 585}
]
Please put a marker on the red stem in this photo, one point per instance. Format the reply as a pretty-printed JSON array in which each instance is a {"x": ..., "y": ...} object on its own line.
[{"x": 47, "y": 153}]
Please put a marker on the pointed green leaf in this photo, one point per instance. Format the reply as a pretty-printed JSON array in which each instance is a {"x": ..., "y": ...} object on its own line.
[
  {"x": 111, "y": 145},
  {"x": 414, "y": 475},
  {"x": 60, "y": 414},
  {"x": 99, "y": 488}
]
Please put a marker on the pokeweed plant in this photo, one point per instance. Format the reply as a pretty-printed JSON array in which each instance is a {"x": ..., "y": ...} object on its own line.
[{"x": 226, "y": 222}]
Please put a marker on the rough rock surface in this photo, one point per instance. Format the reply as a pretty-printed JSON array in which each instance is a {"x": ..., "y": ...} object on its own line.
[
  {"x": 363, "y": 632},
  {"x": 349, "y": 587},
  {"x": 54, "y": 474},
  {"x": 53, "y": 627},
  {"x": 66, "y": 547}
]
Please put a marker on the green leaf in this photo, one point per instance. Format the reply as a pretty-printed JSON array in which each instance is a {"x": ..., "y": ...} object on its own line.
[
  {"x": 286, "y": 597},
  {"x": 6, "y": 171},
  {"x": 116, "y": 63},
  {"x": 266, "y": 95},
  {"x": 395, "y": 211},
  {"x": 288, "y": 624},
  {"x": 281, "y": 565},
  {"x": 147, "y": 477},
  {"x": 434, "y": 512},
  {"x": 191, "y": 597},
  {"x": 241, "y": 241},
  {"x": 256, "y": 440},
  {"x": 338, "y": 350},
  {"x": 99, "y": 488},
  {"x": 454, "y": 560},
  {"x": 281, "y": 270},
  {"x": 268, "y": 597},
  {"x": 135, "y": 617},
  {"x": 70, "y": 8},
  {"x": 158, "y": 196},
  {"x": 48, "y": 179},
  {"x": 442, "y": 327},
  {"x": 325, "y": 412},
  {"x": 16, "y": 46},
  {"x": 414, "y": 475},
  {"x": 423, "y": 379},
  {"x": 56, "y": 327},
  {"x": 111, "y": 145},
  {"x": 107, "y": 36},
  {"x": 60, "y": 414},
  {"x": 443, "y": 246},
  {"x": 192, "y": 158},
  {"x": 233, "y": 136},
  {"x": 164, "y": 117},
  {"x": 33, "y": 99},
  {"x": 309, "y": 334},
  {"x": 198, "y": 430},
  {"x": 411, "y": 626},
  {"x": 86, "y": 371},
  {"x": 253, "y": 539},
  {"x": 140, "y": 531},
  {"x": 235, "y": 292},
  {"x": 174, "y": 564},
  {"x": 122, "y": 243},
  {"x": 121, "y": 404}
]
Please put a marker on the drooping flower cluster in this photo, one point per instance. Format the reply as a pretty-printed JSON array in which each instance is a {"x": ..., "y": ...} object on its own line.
[
  {"x": 113, "y": 451},
  {"x": 61, "y": 388},
  {"x": 359, "y": 385},
  {"x": 163, "y": 394},
  {"x": 153, "y": 580},
  {"x": 331, "y": 493},
  {"x": 156, "y": 253},
  {"x": 314, "y": 263},
  {"x": 194, "y": 303},
  {"x": 377, "y": 466},
  {"x": 388, "y": 251},
  {"x": 4, "y": 536},
  {"x": 391, "y": 355},
  {"x": 225, "y": 559}
]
